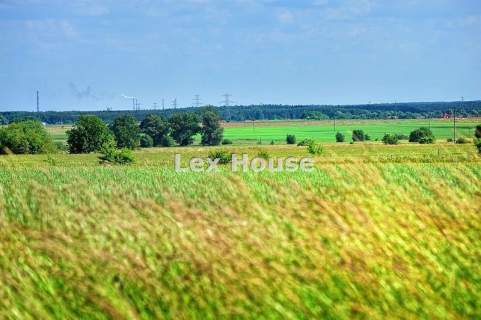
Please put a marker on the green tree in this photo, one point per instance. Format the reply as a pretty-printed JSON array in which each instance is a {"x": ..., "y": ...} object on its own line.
[
  {"x": 184, "y": 127},
  {"x": 126, "y": 132},
  {"x": 291, "y": 139},
  {"x": 28, "y": 136},
  {"x": 340, "y": 137},
  {"x": 89, "y": 134},
  {"x": 422, "y": 135},
  {"x": 156, "y": 127},
  {"x": 212, "y": 132}
]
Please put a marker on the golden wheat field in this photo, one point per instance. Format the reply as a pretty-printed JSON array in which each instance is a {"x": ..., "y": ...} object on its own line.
[{"x": 365, "y": 236}]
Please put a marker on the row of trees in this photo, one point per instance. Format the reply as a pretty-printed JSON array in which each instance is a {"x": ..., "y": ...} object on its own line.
[
  {"x": 91, "y": 134},
  {"x": 278, "y": 112}
]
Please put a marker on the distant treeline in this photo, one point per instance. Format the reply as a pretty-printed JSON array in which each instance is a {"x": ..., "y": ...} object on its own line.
[{"x": 410, "y": 110}]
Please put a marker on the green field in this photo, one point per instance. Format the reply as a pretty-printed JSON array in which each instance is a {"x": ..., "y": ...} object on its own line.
[
  {"x": 323, "y": 131},
  {"x": 374, "y": 232}
]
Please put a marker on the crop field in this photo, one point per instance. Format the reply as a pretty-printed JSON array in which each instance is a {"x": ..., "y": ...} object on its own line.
[
  {"x": 323, "y": 131},
  {"x": 373, "y": 232}
]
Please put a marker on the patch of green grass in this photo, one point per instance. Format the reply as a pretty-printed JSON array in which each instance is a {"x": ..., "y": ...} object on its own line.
[{"x": 373, "y": 232}]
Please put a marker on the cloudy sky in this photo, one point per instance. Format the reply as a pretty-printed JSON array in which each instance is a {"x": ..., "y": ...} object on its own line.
[{"x": 87, "y": 54}]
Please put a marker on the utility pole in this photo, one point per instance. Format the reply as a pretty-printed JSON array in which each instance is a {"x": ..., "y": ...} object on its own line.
[
  {"x": 38, "y": 102},
  {"x": 133, "y": 103},
  {"x": 163, "y": 104},
  {"x": 197, "y": 101},
  {"x": 174, "y": 103}
]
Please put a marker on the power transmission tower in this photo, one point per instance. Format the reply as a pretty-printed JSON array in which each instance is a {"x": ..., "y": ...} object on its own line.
[
  {"x": 38, "y": 102},
  {"x": 197, "y": 101},
  {"x": 155, "y": 106},
  {"x": 174, "y": 103},
  {"x": 227, "y": 101},
  {"x": 163, "y": 104},
  {"x": 133, "y": 103}
]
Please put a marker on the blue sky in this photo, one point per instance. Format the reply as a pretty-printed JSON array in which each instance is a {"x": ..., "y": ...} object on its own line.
[{"x": 87, "y": 54}]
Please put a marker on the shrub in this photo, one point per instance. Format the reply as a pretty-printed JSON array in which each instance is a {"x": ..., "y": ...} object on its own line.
[
  {"x": 167, "y": 141},
  {"x": 367, "y": 137},
  {"x": 462, "y": 140},
  {"x": 23, "y": 137},
  {"x": 477, "y": 131},
  {"x": 227, "y": 141},
  {"x": 223, "y": 156},
  {"x": 272, "y": 142},
  {"x": 449, "y": 140},
  {"x": 478, "y": 145},
  {"x": 401, "y": 136},
  {"x": 390, "y": 139},
  {"x": 340, "y": 137},
  {"x": 89, "y": 134},
  {"x": 146, "y": 141},
  {"x": 291, "y": 139},
  {"x": 358, "y": 135},
  {"x": 112, "y": 155},
  {"x": 315, "y": 148},
  {"x": 422, "y": 135},
  {"x": 263, "y": 154},
  {"x": 305, "y": 143}
]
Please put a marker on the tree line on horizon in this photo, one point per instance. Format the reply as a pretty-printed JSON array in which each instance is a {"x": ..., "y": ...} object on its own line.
[{"x": 412, "y": 110}]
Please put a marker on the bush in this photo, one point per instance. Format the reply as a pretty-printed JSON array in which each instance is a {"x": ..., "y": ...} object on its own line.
[
  {"x": 167, "y": 141},
  {"x": 463, "y": 140},
  {"x": 25, "y": 137},
  {"x": 422, "y": 135},
  {"x": 340, "y": 137},
  {"x": 223, "y": 156},
  {"x": 112, "y": 155},
  {"x": 291, "y": 139},
  {"x": 272, "y": 142},
  {"x": 449, "y": 140},
  {"x": 263, "y": 154},
  {"x": 315, "y": 149},
  {"x": 358, "y": 135},
  {"x": 477, "y": 132},
  {"x": 305, "y": 143},
  {"x": 89, "y": 134},
  {"x": 478, "y": 145},
  {"x": 146, "y": 141},
  {"x": 402, "y": 136},
  {"x": 390, "y": 139},
  {"x": 227, "y": 141}
]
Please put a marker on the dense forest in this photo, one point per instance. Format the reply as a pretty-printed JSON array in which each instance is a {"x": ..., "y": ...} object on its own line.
[{"x": 410, "y": 110}]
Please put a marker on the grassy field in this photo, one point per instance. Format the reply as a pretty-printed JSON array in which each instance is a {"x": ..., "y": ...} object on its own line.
[
  {"x": 374, "y": 232},
  {"x": 323, "y": 131}
]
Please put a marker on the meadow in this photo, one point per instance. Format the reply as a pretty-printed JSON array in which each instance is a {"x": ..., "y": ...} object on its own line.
[{"x": 374, "y": 232}]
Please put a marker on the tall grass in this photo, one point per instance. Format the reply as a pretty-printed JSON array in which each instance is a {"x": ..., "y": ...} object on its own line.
[{"x": 350, "y": 240}]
